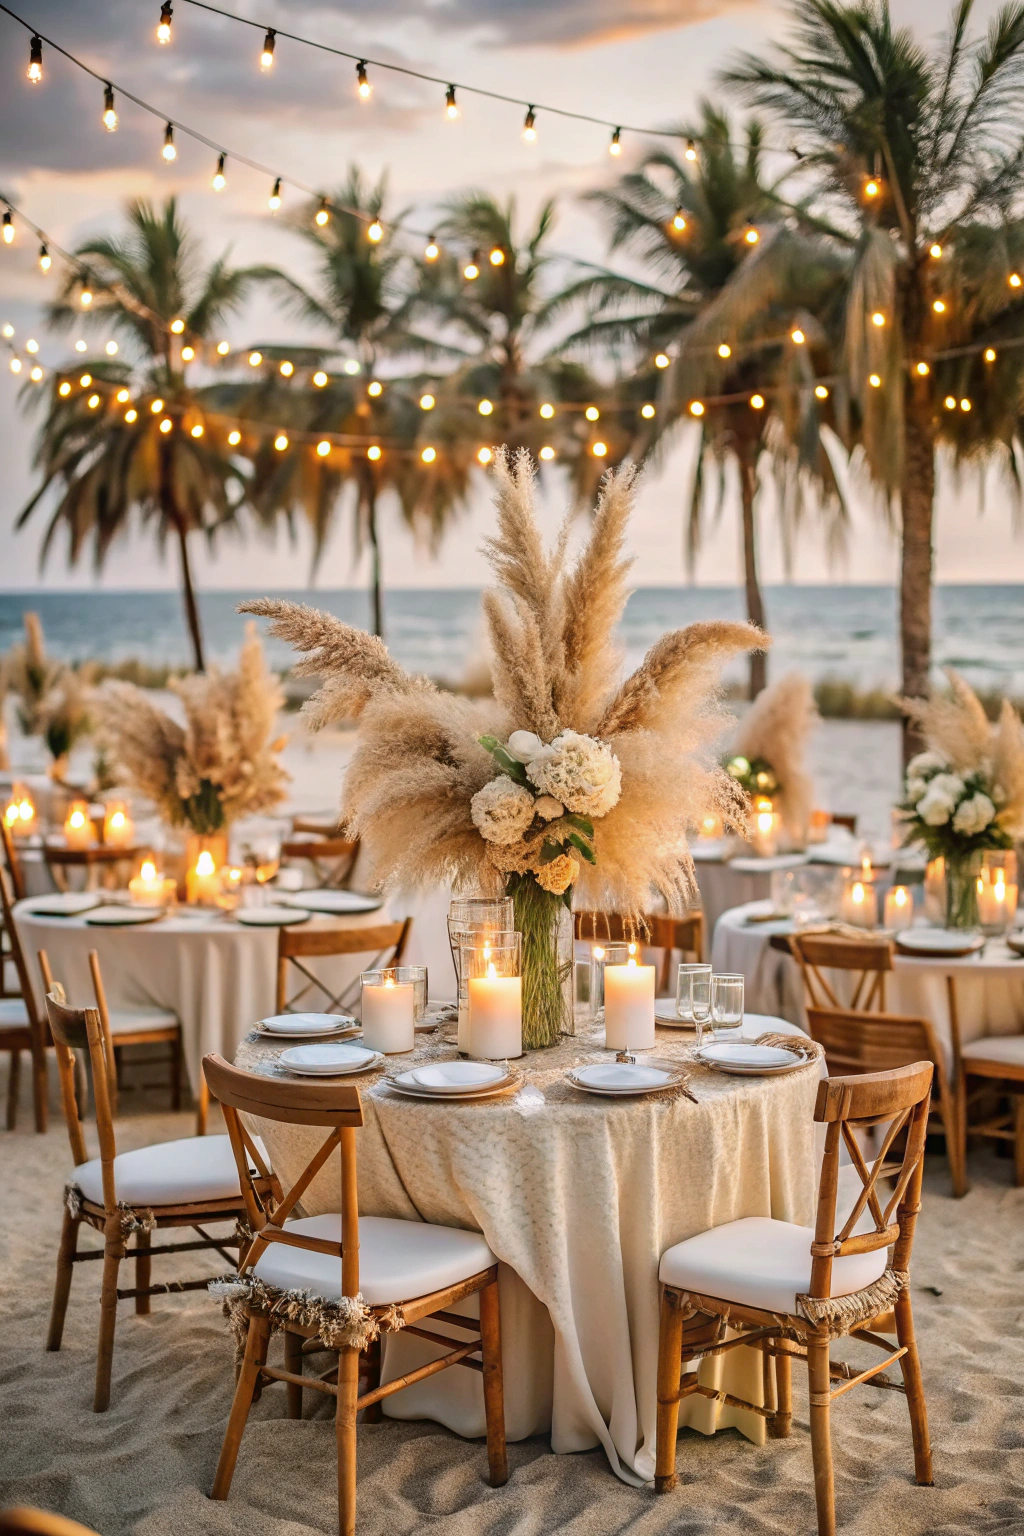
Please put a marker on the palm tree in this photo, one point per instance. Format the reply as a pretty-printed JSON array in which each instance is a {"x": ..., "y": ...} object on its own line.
[
  {"x": 102, "y": 447},
  {"x": 917, "y": 159},
  {"x": 729, "y": 289}
]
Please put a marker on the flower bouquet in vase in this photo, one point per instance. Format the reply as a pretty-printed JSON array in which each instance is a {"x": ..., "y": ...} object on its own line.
[
  {"x": 571, "y": 780},
  {"x": 768, "y": 762}
]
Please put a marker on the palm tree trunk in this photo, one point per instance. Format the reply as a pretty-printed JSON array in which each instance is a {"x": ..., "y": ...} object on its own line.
[
  {"x": 173, "y": 516},
  {"x": 751, "y": 583},
  {"x": 376, "y": 581},
  {"x": 917, "y": 494}
]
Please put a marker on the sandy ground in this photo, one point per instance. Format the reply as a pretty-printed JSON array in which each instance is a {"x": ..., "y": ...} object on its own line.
[{"x": 145, "y": 1466}]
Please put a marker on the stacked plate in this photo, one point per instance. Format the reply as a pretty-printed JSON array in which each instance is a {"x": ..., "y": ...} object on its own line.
[
  {"x": 64, "y": 904},
  {"x": 329, "y": 1060},
  {"x": 623, "y": 1079},
  {"x": 939, "y": 943},
  {"x": 122, "y": 917},
  {"x": 454, "y": 1080},
  {"x": 747, "y": 1059},
  {"x": 333, "y": 903},
  {"x": 306, "y": 1024},
  {"x": 270, "y": 917}
]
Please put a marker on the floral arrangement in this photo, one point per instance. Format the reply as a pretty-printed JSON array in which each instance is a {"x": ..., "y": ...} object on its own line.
[
  {"x": 770, "y": 752},
  {"x": 221, "y": 763},
  {"x": 570, "y": 780},
  {"x": 52, "y": 699}
]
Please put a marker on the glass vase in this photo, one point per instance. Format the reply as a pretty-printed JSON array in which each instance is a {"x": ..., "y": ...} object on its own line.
[
  {"x": 545, "y": 922},
  {"x": 962, "y": 873}
]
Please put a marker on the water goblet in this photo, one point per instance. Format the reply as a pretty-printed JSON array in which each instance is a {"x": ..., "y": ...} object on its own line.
[
  {"x": 693, "y": 996},
  {"x": 727, "y": 1007}
]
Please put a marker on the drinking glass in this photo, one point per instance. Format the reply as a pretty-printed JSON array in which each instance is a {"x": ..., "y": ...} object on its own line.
[
  {"x": 469, "y": 916},
  {"x": 693, "y": 996},
  {"x": 726, "y": 1007}
]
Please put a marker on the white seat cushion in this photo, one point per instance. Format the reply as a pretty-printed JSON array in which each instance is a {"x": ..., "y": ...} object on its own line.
[
  {"x": 13, "y": 1014},
  {"x": 170, "y": 1173},
  {"x": 128, "y": 1021},
  {"x": 759, "y": 1262},
  {"x": 398, "y": 1260},
  {"x": 1004, "y": 1048}
]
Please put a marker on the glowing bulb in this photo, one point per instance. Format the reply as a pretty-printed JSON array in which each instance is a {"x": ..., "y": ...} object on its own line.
[
  {"x": 281, "y": 442},
  {"x": 678, "y": 221},
  {"x": 131, "y": 416},
  {"x": 599, "y": 450},
  {"x": 990, "y": 354},
  {"x": 169, "y": 151},
  {"x": 122, "y": 397},
  {"x": 648, "y": 412},
  {"x": 363, "y": 87},
  {"x": 696, "y": 408},
  {"x": 821, "y": 392},
  {"x": 375, "y": 232},
  {"x": 797, "y": 337},
  {"x": 615, "y": 144},
  {"x": 35, "y": 60},
  {"x": 274, "y": 200},
  {"x": 163, "y": 31},
  {"x": 111, "y": 349},
  {"x": 323, "y": 448},
  {"x": 197, "y": 430},
  {"x": 86, "y": 380},
  {"x": 471, "y": 270},
  {"x": 375, "y": 388},
  {"x": 922, "y": 370},
  {"x": 497, "y": 257},
  {"x": 8, "y": 331},
  {"x": 187, "y": 354},
  {"x": 547, "y": 453},
  {"x": 322, "y": 213},
  {"x": 109, "y": 110},
  {"x": 450, "y": 104},
  {"x": 751, "y": 235},
  {"x": 45, "y": 260},
  {"x": 373, "y": 452},
  {"x": 267, "y": 56},
  {"x": 64, "y": 389},
  {"x": 220, "y": 181},
  {"x": 486, "y": 407},
  {"x": 874, "y": 380},
  {"x": 938, "y": 306},
  {"x": 871, "y": 188},
  {"x": 156, "y": 407},
  {"x": 8, "y": 227},
  {"x": 530, "y": 126},
  {"x": 255, "y": 358},
  {"x": 178, "y": 327},
  {"x": 757, "y": 402},
  {"x": 31, "y": 345},
  {"x": 878, "y": 318},
  {"x": 428, "y": 455},
  {"x": 223, "y": 348},
  {"x": 319, "y": 378},
  {"x": 80, "y": 346},
  {"x": 85, "y": 297},
  {"x": 166, "y": 424},
  {"x": 935, "y": 251},
  {"x": 592, "y": 413},
  {"x": 965, "y": 405},
  {"x": 1014, "y": 280},
  {"x": 36, "y": 374},
  {"x": 351, "y": 366},
  {"x": 690, "y": 152},
  {"x": 234, "y": 438},
  {"x": 484, "y": 455},
  {"x": 725, "y": 350},
  {"x": 427, "y": 402},
  {"x": 15, "y": 364},
  {"x": 432, "y": 250},
  {"x": 662, "y": 360},
  {"x": 547, "y": 411},
  {"x": 92, "y": 402},
  {"x": 287, "y": 369},
  {"x": 949, "y": 403}
]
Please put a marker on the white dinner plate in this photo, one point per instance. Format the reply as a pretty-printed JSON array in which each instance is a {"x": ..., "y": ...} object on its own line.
[
  {"x": 122, "y": 917},
  {"x": 620, "y": 1078},
  {"x": 334, "y": 903},
  {"x": 458, "y": 1076},
  {"x": 64, "y": 904},
  {"x": 943, "y": 943},
  {"x": 748, "y": 1059},
  {"x": 307, "y": 1024},
  {"x": 270, "y": 917},
  {"x": 405, "y": 1083},
  {"x": 328, "y": 1060},
  {"x": 1015, "y": 941},
  {"x": 665, "y": 1015}
]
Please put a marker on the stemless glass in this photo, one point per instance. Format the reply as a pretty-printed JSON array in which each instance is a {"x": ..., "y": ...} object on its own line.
[
  {"x": 726, "y": 1007},
  {"x": 693, "y": 996},
  {"x": 469, "y": 916}
]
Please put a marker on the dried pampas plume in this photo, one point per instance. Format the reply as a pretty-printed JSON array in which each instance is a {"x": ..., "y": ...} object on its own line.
[
  {"x": 777, "y": 727},
  {"x": 955, "y": 725}
]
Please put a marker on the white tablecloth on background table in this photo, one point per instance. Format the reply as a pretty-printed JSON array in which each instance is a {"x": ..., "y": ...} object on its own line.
[
  {"x": 989, "y": 985},
  {"x": 578, "y": 1197}
]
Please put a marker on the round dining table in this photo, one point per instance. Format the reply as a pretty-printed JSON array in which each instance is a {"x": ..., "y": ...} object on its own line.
[{"x": 578, "y": 1196}]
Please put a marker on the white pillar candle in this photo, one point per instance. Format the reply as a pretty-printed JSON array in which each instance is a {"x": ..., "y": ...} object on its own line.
[
  {"x": 860, "y": 905},
  {"x": 899, "y": 909},
  {"x": 118, "y": 828},
  {"x": 765, "y": 829},
  {"x": 388, "y": 1023},
  {"x": 150, "y": 889},
  {"x": 79, "y": 831},
  {"x": 203, "y": 882},
  {"x": 495, "y": 1016},
  {"x": 629, "y": 1006},
  {"x": 997, "y": 899}
]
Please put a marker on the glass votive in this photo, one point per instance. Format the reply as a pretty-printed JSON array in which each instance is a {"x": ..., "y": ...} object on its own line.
[
  {"x": 859, "y": 905},
  {"x": 628, "y": 999},
  {"x": 491, "y": 966},
  {"x": 693, "y": 996},
  {"x": 583, "y": 1002},
  {"x": 764, "y": 829},
  {"x": 388, "y": 1011},
  {"x": 898, "y": 912},
  {"x": 149, "y": 888},
  {"x": 727, "y": 1007},
  {"x": 79, "y": 831},
  {"x": 118, "y": 827},
  {"x": 20, "y": 812},
  {"x": 469, "y": 916},
  {"x": 997, "y": 890},
  {"x": 416, "y": 976}
]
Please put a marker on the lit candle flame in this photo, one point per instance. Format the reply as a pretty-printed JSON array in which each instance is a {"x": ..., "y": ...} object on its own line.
[
  {"x": 857, "y": 894},
  {"x": 76, "y": 819},
  {"x": 492, "y": 974},
  {"x": 148, "y": 870},
  {"x": 899, "y": 896},
  {"x": 598, "y": 952},
  {"x": 389, "y": 981},
  {"x": 865, "y": 867},
  {"x": 204, "y": 863},
  {"x": 117, "y": 820}
]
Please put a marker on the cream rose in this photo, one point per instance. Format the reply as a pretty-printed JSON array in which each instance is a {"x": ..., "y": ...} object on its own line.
[
  {"x": 502, "y": 810},
  {"x": 581, "y": 773},
  {"x": 974, "y": 814},
  {"x": 557, "y": 876}
]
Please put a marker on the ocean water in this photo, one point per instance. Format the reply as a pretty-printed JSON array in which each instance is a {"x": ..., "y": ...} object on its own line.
[{"x": 836, "y": 631}]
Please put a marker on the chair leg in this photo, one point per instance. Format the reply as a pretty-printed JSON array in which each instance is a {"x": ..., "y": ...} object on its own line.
[
  {"x": 293, "y": 1362},
  {"x": 1018, "y": 1139},
  {"x": 13, "y": 1083},
  {"x": 255, "y": 1358},
  {"x": 176, "y": 1072},
  {"x": 372, "y": 1362},
  {"x": 202, "y": 1108},
  {"x": 670, "y": 1364},
  {"x": 113, "y": 1253},
  {"x": 910, "y": 1365},
  {"x": 779, "y": 1426},
  {"x": 494, "y": 1391},
  {"x": 62, "y": 1284},
  {"x": 345, "y": 1431},
  {"x": 819, "y": 1391},
  {"x": 40, "y": 1087},
  {"x": 955, "y": 1129},
  {"x": 143, "y": 1270}
]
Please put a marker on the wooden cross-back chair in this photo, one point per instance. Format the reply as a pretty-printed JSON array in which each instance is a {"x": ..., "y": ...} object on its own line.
[
  {"x": 172, "y": 1184},
  {"x": 790, "y": 1291},
  {"x": 21, "y": 1028},
  {"x": 97, "y": 860},
  {"x": 39, "y": 1522},
  {"x": 402, "y": 1272},
  {"x": 656, "y": 931},
  {"x": 385, "y": 942},
  {"x": 332, "y": 858},
  {"x": 868, "y": 960},
  {"x": 16, "y": 875}
]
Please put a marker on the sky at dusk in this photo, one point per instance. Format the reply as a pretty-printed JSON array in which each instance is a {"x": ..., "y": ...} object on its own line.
[{"x": 638, "y": 61}]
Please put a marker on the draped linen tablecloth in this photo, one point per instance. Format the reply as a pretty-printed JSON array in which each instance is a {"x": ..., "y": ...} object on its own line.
[
  {"x": 578, "y": 1197},
  {"x": 988, "y": 987}
]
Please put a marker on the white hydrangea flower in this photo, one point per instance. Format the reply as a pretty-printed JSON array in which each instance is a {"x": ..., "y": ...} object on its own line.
[
  {"x": 502, "y": 810},
  {"x": 974, "y": 814},
  {"x": 580, "y": 772},
  {"x": 940, "y": 800},
  {"x": 916, "y": 788},
  {"x": 925, "y": 763}
]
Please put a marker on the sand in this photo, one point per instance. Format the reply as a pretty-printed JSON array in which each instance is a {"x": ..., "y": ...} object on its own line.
[{"x": 144, "y": 1466}]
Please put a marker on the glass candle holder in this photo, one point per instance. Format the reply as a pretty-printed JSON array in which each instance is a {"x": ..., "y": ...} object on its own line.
[
  {"x": 859, "y": 906},
  {"x": 628, "y": 999},
  {"x": 997, "y": 890},
  {"x": 149, "y": 888},
  {"x": 899, "y": 908},
  {"x": 469, "y": 916},
  {"x": 492, "y": 967},
  {"x": 118, "y": 827},
  {"x": 79, "y": 831},
  {"x": 388, "y": 1010},
  {"x": 20, "y": 812},
  {"x": 765, "y": 829}
]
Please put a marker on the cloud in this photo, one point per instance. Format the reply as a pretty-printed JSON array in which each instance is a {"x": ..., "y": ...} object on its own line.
[{"x": 561, "y": 23}]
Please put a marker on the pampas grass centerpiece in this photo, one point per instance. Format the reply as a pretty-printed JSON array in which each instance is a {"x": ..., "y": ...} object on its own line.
[
  {"x": 572, "y": 780},
  {"x": 769, "y": 755}
]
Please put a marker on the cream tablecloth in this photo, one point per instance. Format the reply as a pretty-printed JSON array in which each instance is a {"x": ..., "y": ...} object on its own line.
[
  {"x": 988, "y": 987},
  {"x": 578, "y": 1197}
]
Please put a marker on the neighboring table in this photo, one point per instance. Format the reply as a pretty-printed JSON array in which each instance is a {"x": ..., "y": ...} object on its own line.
[
  {"x": 980, "y": 994},
  {"x": 578, "y": 1197}
]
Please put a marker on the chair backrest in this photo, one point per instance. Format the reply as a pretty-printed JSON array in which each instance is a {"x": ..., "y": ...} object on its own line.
[
  {"x": 655, "y": 931},
  {"x": 873, "y": 1042},
  {"x": 17, "y": 953},
  {"x": 869, "y": 958},
  {"x": 384, "y": 942},
  {"x": 78, "y": 1029},
  {"x": 899, "y": 1100},
  {"x": 326, "y": 824},
  {"x": 333, "y": 858},
  {"x": 39, "y": 1522},
  {"x": 849, "y": 822},
  {"x": 336, "y": 1107},
  {"x": 13, "y": 862},
  {"x": 49, "y": 984}
]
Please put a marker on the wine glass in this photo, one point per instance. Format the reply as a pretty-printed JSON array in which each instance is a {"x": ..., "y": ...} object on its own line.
[
  {"x": 727, "y": 1007},
  {"x": 693, "y": 996}
]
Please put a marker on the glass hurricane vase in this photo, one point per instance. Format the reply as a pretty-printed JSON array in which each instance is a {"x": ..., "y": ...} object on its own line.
[
  {"x": 545, "y": 922},
  {"x": 962, "y": 872}
]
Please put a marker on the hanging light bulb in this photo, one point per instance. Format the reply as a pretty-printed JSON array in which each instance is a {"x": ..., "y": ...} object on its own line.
[
  {"x": 935, "y": 251},
  {"x": 109, "y": 110},
  {"x": 322, "y": 213},
  {"x": 871, "y": 187},
  {"x": 757, "y": 402},
  {"x": 255, "y": 358},
  {"x": 156, "y": 406},
  {"x": 197, "y": 430},
  {"x": 45, "y": 260},
  {"x": 678, "y": 221},
  {"x": 821, "y": 392},
  {"x": 725, "y": 350},
  {"x": 662, "y": 360},
  {"x": 1014, "y": 279},
  {"x": 220, "y": 181},
  {"x": 696, "y": 408},
  {"x": 111, "y": 349},
  {"x": 223, "y": 348},
  {"x": 615, "y": 144},
  {"x": 86, "y": 380},
  {"x": 166, "y": 424},
  {"x": 81, "y": 346},
  {"x": 547, "y": 452},
  {"x": 187, "y": 354},
  {"x": 990, "y": 354},
  {"x": 64, "y": 389},
  {"x": 938, "y": 306},
  {"x": 352, "y": 366},
  {"x": 363, "y": 87},
  {"x": 530, "y": 126},
  {"x": 592, "y": 413},
  {"x": 375, "y": 232},
  {"x": 319, "y": 378},
  {"x": 428, "y": 455},
  {"x": 797, "y": 337},
  {"x": 281, "y": 442},
  {"x": 85, "y": 297},
  {"x": 922, "y": 370},
  {"x": 131, "y": 415},
  {"x": 8, "y": 228},
  {"x": 751, "y": 235},
  {"x": 178, "y": 326},
  {"x": 451, "y": 106},
  {"x": 950, "y": 403},
  {"x": 427, "y": 402},
  {"x": 874, "y": 380},
  {"x": 373, "y": 452},
  {"x": 690, "y": 152},
  {"x": 8, "y": 331},
  {"x": 432, "y": 250},
  {"x": 267, "y": 56},
  {"x": 274, "y": 200},
  {"x": 965, "y": 405},
  {"x": 122, "y": 397},
  {"x": 287, "y": 369},
  {"x": 599, "y": 449},
  {"x": 486, "y": 407},
  {"x": 35, "y": 60},
  {"x": 648, "y": 411},
  {"x": 163, "y": 30},
  {"x": 375, "y": 389},
  {"x": 36, "y": 374},
  {"x": 15, "y": 364},
  {"x": 547, "y": 411},
  {"x": 169, "y": 151},
  {"x": 484, "y": 455},
  {"x": 878, "y": 318},
  {"x": 497, "y": 257},
  {"x": 471, "y": 271},
  {"x": 323, "y": 448},
  {"x": 234, "y": 438}
]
